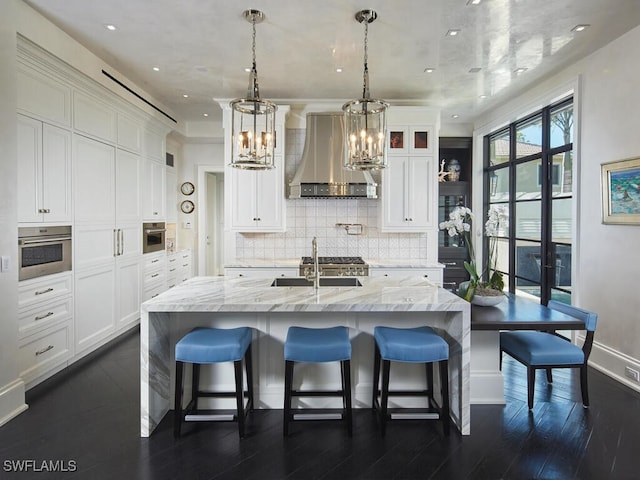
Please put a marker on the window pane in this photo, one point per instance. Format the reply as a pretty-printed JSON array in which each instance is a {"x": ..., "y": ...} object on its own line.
[
  {"x": 528, "y": 264},
  {"x": 561, "y": 224},
  {"x": 563, "y": 267},
  {"x": 562, "y": 126},
  {"x": 502, "y": 257},
  {"x": 499, "y": 149},
  {"x": 563, "y": 164},
  {"x": 529, "y": 137},
  {"x": 561, "y": 296},
  {"x": 499, "y": 185},
  {"x": 528, "y": 220},
  {"x": 527, "y": 186}
]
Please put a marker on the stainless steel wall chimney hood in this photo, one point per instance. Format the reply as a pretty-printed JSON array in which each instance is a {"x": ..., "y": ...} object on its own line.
[{"x": 321, "y": 172}]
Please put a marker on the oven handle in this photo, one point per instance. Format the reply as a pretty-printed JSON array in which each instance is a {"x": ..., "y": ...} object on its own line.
[
  {"x": 156, "y": 230},
  {"x": 43, "y": 240}
]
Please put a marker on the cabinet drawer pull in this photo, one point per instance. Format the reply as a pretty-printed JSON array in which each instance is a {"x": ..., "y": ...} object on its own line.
[
  {"x": 154, "y": 296},
  {"x": 453, "y": 264},
  {"x": 44, "y": 350},
  {"x": 40, "y": 317},
  {"x": 41, "y": 292},
  {"x": 172, "y": 269},
  {"x": 185, "y": 264},
  {"x": 155, "y": 261},
  {"x": 155, "y": 275}
]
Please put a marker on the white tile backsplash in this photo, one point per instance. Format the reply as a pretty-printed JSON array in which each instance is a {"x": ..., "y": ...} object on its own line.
[{"x": 309, "y": 217}]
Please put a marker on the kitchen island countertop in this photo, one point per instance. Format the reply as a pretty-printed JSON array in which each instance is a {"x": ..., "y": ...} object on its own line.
[{"x": 228, "y": 302}]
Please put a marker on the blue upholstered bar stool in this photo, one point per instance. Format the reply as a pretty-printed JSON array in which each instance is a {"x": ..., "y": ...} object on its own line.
[
  {"x": 410, "y": 345},
  {"x": 214, "y": 345},
  {"x": 316, "y": 345}
]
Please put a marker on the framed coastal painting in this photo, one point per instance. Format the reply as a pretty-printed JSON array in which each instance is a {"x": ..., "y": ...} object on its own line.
[{"x": 621, "y": 192}]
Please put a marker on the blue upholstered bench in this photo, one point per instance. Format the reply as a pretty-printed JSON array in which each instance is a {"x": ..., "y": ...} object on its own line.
[
  {"x": 316, "y": 345},
  {"x": 213, "y": 345},
  {"x": 410, "y": 345},
  {"x": 544, "y": 350}
]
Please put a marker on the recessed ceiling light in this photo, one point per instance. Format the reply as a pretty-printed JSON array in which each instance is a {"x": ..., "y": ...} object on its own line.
[
  {"x": 483, "y": 96},
  {"x": 205, "y": 114},
  {"x": 473, "y": 2},
  {"x": 455, "y": 115},
  {"x": 110, "y": 27},
  {"x": 453, "y": 32},
  {"x": 580, "y": 28},
  {"x": 429, "y": 70},
  {"x": 247, "y": 69},
  {"x": 339, "y": 70},
  {"x": 185, "y": 95},
  {"x": 474, "y": 70},
  {"x": 519, "y": 71},
  {"x": 156, "y": 69}
]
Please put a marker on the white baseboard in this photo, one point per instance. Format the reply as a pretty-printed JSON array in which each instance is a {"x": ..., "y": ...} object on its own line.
[
  {"x": 612, "y": 363},
  {"x": 487, "y": 388},
  {"x": 12, "y": 401}
]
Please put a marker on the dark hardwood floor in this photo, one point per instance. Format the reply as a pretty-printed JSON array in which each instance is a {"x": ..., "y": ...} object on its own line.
[{"x": 87, "y": 419}]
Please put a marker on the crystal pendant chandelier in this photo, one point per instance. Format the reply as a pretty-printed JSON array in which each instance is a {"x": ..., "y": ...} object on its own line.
[
  {"x": 366, "y": 119},
  {"x": 253, "y": 137}
]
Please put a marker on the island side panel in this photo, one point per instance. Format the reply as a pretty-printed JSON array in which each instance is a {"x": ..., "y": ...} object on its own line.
[{"x": 155, "y": 369}]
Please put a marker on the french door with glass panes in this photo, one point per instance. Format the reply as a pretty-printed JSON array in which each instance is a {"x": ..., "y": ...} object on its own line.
[{"x": 528, "y": 174}]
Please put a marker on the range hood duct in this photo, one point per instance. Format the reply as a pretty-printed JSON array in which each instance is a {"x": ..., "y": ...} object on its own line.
[{"x": 321, "y": 172}]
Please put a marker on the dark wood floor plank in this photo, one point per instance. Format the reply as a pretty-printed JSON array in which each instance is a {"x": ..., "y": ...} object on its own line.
[{"x": 90, "y": 414}]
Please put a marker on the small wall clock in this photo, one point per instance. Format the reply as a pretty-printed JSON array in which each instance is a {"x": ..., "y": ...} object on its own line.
[
  {"x": 187, "y": 188},
  {"x": 187, "y": 206}
]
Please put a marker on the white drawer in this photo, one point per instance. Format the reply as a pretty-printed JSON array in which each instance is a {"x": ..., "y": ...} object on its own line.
[
  {"x": 43, "y": 316},
  {"x": 152, "y": 291},
  {"x": 153, "y": 276},
  {"x": 40, "y": 353},
  {"x": 31, "y": 292},
  {"x": 154, "y": 260}
]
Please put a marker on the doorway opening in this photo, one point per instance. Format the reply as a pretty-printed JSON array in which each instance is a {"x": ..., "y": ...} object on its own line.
[{"x": 211, "y": 221}]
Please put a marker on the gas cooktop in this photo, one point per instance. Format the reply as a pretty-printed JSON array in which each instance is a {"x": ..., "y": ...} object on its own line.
[
  {"x": 334, "y": 261},
  {"x": 335, "y": 266}
]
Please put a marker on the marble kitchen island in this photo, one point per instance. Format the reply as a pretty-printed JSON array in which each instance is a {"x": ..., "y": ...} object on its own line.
[{"x": 229, "y": 302}]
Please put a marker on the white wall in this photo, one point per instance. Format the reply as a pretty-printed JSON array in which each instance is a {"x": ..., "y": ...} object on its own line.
[
  {"x": 11, "y": 387},
  {"x": 607, "y": 256}
]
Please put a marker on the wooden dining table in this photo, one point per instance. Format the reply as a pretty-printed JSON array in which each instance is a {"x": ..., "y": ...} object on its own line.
[{"x": 515, "y": 313}]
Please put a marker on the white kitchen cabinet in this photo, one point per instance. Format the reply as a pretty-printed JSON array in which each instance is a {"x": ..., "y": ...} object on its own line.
[
  {"x": 94, "y": 117},
  {"x": 94, "y": 179},
  {"x": 433, "y": 274},
  {"x": 128, "y": 187},
  {"x": 107, "y": 240},
  {"x": 44, "y": 172},
  {"x": 95, "y": 303},
  {"x": 153, "y": 190},
  {"x": 45, "y": 325},
  {"x": 257, "y": 199},
  {"x": 129, "y": 133},
  {"x": 128, "y": 291},
  {"x": 154, "y": 274},
  {"x": 171, "y": 196},
  {"x": 178, "y": 267},
  {"x": 41, "y": 95},
  {"x": 407, "y": 190}
]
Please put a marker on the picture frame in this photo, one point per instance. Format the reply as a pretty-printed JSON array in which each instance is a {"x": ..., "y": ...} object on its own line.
[
  {"x": 421, "y": 139},
  {"x": 621, "y": 192},
  {"x": 397, "y": 140}
]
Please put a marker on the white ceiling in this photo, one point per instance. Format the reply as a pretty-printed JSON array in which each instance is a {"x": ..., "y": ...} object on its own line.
[{"x": 202, "y": 47}]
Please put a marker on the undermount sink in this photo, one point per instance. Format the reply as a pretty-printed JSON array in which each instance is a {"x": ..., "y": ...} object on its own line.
[{"x": 324, "y": 282}]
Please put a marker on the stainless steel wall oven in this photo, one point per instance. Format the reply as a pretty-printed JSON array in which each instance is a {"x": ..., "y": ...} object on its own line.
[
  {"x": 153, "y": 237},
  {"x": 43, "y": 251}
]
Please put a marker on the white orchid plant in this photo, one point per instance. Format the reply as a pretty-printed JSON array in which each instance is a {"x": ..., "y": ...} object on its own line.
[{"x": 459, "y": 225}]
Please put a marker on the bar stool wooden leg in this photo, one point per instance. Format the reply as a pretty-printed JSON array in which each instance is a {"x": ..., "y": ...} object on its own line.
[
  {"x": 177, "y": 412},
  {"x": 444, "y": 389},
  {"x": 346, "y": 388},
  {"x": 248, "y": 365},
  {"x": 237, "y": 367},
  {"x": 288, "y": 381},
  {"x": 195, "y": 384},
  {"x": 376, "y": 378},
  {"x": 386, "y": 367}
]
